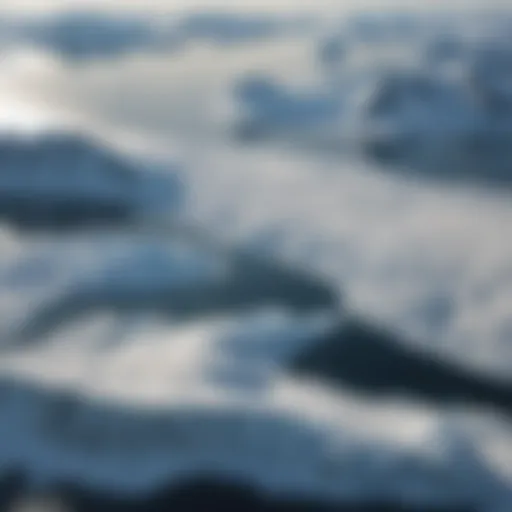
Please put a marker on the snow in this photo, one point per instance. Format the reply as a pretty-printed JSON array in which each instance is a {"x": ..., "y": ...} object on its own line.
[
  {"x": 159, "y": 401},
  {"x": 428, "y": 95},
  {"x": 53, "y": 167},
  {"x": 131, "y": 399}
]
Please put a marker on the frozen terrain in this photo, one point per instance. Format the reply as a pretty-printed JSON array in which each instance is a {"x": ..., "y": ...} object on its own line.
[
  {"x": 355, "y": 168},
  {"x": 64, "y": 179}
]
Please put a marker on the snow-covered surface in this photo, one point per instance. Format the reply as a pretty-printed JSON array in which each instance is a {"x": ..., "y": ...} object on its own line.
[
  {"x": 171, "y": 402},
  {"x": 437, "y": 95},
  {"x": 87, "y": 34},
  {"x": 174, "y": 271},
  {"x": 166, "y": 398},
  {"x": 169, "y": 399},
  {"x": 52, "y": 167}
]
